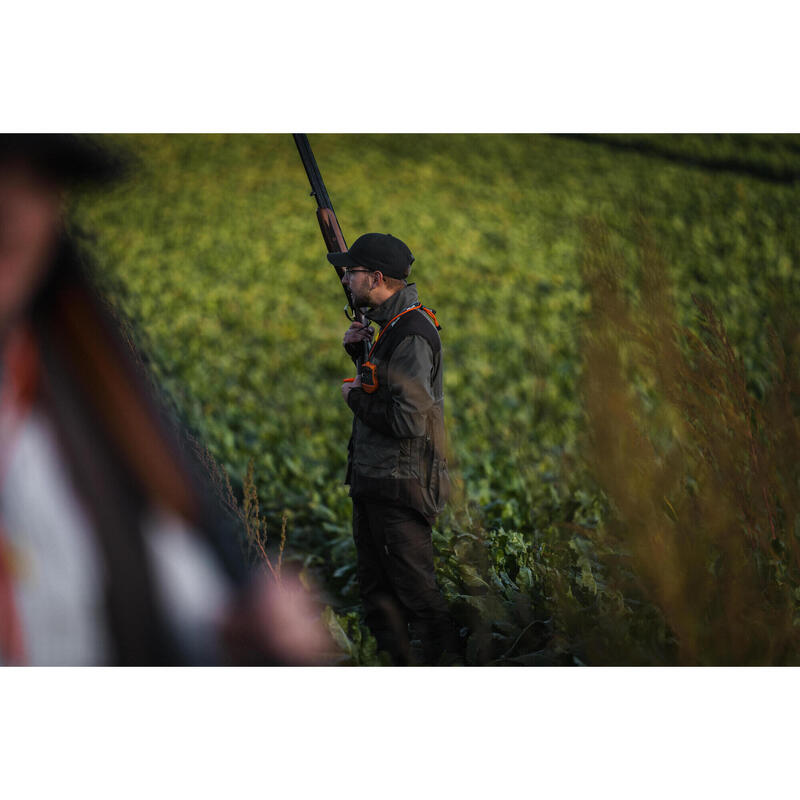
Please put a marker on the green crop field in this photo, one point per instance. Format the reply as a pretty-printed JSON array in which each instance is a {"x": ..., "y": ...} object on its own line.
[{"x": 214, "y": 253}]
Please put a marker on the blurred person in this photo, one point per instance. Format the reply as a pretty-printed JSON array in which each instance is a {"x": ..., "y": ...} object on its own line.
[
  {"x": 397, "y": 468},
  {"x": 114, "y": 549}
]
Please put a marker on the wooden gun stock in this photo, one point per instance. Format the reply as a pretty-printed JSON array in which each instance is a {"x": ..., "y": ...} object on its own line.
[{"x": 331, "y": 232}]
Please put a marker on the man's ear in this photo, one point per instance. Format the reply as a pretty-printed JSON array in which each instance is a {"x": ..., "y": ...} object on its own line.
[{"x": 380, "y": 277}]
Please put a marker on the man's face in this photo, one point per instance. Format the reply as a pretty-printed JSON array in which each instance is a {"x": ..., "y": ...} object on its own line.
[
  {"x": 30, "y": 216},
  {"x": 359, "y": 281}
]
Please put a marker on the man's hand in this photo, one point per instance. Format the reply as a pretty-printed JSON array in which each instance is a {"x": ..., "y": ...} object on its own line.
[
  {"x": 348, "y": 385},
  {"x": 275, "y": 622},
  {"x": 354, "y": 336}
]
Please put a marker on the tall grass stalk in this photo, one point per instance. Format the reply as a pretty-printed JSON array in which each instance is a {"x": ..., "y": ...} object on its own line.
[{"x": 701, "y": 473}]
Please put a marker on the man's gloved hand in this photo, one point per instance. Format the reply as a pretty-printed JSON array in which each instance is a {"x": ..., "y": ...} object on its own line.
[{"x": 353, "y": 338}]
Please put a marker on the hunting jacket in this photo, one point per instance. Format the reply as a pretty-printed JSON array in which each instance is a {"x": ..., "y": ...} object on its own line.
[{"x": 397, "y": 447}]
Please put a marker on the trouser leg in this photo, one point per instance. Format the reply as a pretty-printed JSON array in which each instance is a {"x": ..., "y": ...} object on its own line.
[
  {"x": 383, "y": 612},
  {"x": 402, "y": 539}
]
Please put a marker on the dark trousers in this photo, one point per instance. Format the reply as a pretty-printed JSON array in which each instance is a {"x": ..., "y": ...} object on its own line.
[{"x": 397, "y": 581}]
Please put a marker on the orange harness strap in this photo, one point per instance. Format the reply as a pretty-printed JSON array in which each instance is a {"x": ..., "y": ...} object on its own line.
[
  {"x": 389, "y": 325},
  {"x": 369, "y": 378},
  {"x": 430, "y": 312},
  {"x": 369, "y": 372}
]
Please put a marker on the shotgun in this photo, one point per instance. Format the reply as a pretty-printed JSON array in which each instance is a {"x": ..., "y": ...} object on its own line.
[{"x": 329, "y": 225}]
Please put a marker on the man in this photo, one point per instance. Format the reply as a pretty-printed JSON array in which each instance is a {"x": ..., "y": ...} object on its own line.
[
  {"x": 113, "y": 548},
  {"x": 397, "y": 469}
]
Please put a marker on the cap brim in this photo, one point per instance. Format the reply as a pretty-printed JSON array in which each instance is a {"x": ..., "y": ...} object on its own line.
[{"x": 342, "y": 259}]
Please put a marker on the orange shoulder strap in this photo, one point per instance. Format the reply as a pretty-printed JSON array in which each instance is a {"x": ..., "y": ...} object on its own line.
[{"x": 432, "y": 314}]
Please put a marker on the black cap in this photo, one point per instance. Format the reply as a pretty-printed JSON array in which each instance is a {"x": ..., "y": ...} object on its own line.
[
  {"x": 65, "y": 157},
  {"x": 376, "y": 251}
]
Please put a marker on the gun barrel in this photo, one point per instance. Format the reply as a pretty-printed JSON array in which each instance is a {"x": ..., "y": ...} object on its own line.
[
  {"x": 312, "y": 170},
  {"x": 326, "y": 216}
]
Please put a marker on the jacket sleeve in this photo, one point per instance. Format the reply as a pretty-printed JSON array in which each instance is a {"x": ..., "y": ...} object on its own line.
[{"x": 410, "y": 397}]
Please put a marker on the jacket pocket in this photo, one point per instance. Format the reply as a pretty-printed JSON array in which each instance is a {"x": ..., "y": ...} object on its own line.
[{"x": 374, "y": 454}]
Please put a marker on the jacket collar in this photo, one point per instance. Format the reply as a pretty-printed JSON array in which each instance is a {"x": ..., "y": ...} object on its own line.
[{"x": 393, "y": 305}]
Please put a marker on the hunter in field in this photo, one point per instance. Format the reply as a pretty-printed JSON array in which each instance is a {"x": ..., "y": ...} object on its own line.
[{"x": 397, "y": 469}]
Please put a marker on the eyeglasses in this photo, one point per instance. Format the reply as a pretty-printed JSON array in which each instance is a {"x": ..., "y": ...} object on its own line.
[{"x": 353, "y": 270}]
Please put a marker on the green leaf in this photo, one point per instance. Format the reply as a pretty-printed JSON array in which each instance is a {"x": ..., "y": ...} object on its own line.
[{"x": 337, "y": 632}]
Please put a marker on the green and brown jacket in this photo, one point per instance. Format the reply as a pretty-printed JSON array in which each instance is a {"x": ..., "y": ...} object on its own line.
[{"x": 397, "y": 448}]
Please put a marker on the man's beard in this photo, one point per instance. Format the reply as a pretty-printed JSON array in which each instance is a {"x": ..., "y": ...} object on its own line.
[{"x": 360, "y": 300}]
